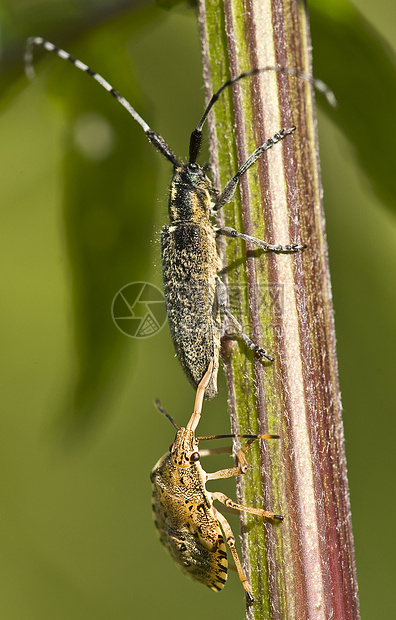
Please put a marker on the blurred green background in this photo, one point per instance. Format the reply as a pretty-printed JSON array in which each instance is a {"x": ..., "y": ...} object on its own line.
[{"x": 83, "y": 197}]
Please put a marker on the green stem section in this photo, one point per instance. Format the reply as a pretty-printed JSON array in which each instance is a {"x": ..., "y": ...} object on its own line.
[{"x": 303, "y": 567}]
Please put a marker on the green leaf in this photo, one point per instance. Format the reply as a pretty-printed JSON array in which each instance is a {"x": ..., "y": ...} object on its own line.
[{"x": 360, "y": 67}]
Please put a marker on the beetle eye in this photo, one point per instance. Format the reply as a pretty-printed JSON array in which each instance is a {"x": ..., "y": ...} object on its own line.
[
  {"x": 171, "y": 447},
  {"x": 194, "y": 457}
]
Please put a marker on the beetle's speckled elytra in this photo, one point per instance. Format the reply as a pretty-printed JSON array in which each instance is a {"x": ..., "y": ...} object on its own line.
[
  {"x": 195, "y": 296},
  {"x": 187, "y": 522}
]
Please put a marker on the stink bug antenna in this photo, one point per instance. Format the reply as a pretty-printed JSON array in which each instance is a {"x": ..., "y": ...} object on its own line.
[
  {"x": 234, "y": 436},
  {"x": 203, "y": 384},
  {"x": 153, "y": 137},
  {"x": 196, "y": 136},
  {"x": 161, "y": 410}
]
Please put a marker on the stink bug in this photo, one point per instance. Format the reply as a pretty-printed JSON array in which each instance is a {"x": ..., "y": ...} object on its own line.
[
  {"x": 187, "y": 522},
  {"x": 194, "y": 294}
]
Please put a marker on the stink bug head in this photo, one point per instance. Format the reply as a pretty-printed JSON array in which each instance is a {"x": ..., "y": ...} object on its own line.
[{"x": 184, "y": 451}]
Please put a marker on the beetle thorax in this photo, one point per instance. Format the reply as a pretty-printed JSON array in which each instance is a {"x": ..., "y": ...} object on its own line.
[
  {"x": 183, "y": 447},
  {"x": 190, "y": 197}
]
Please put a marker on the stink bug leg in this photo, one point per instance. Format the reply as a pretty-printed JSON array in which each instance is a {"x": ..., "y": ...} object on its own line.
[{"x": 188, "y": 524}]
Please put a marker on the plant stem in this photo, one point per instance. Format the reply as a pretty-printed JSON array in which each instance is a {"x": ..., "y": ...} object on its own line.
[{"x": 303, "y": 567}]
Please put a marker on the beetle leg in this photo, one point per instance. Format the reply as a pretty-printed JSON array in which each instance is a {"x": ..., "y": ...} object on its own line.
[
  {"x": 230, "y": 187},
  {"x": 222, "y": 298},
  {"x": 280, "y": 249}
]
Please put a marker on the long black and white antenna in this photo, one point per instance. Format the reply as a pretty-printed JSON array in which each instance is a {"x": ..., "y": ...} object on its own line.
[
  {"x": 152, "y": 136},
  {"x": 196, "y": 136}
]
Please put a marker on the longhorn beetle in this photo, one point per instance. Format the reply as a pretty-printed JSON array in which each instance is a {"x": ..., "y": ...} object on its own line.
[
  {"x": 194, "y": 293},
  {"x": 186, "y": 520}
]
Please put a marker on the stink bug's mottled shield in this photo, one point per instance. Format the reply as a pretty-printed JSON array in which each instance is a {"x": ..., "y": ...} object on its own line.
[{"x": 187, "y": 522}]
